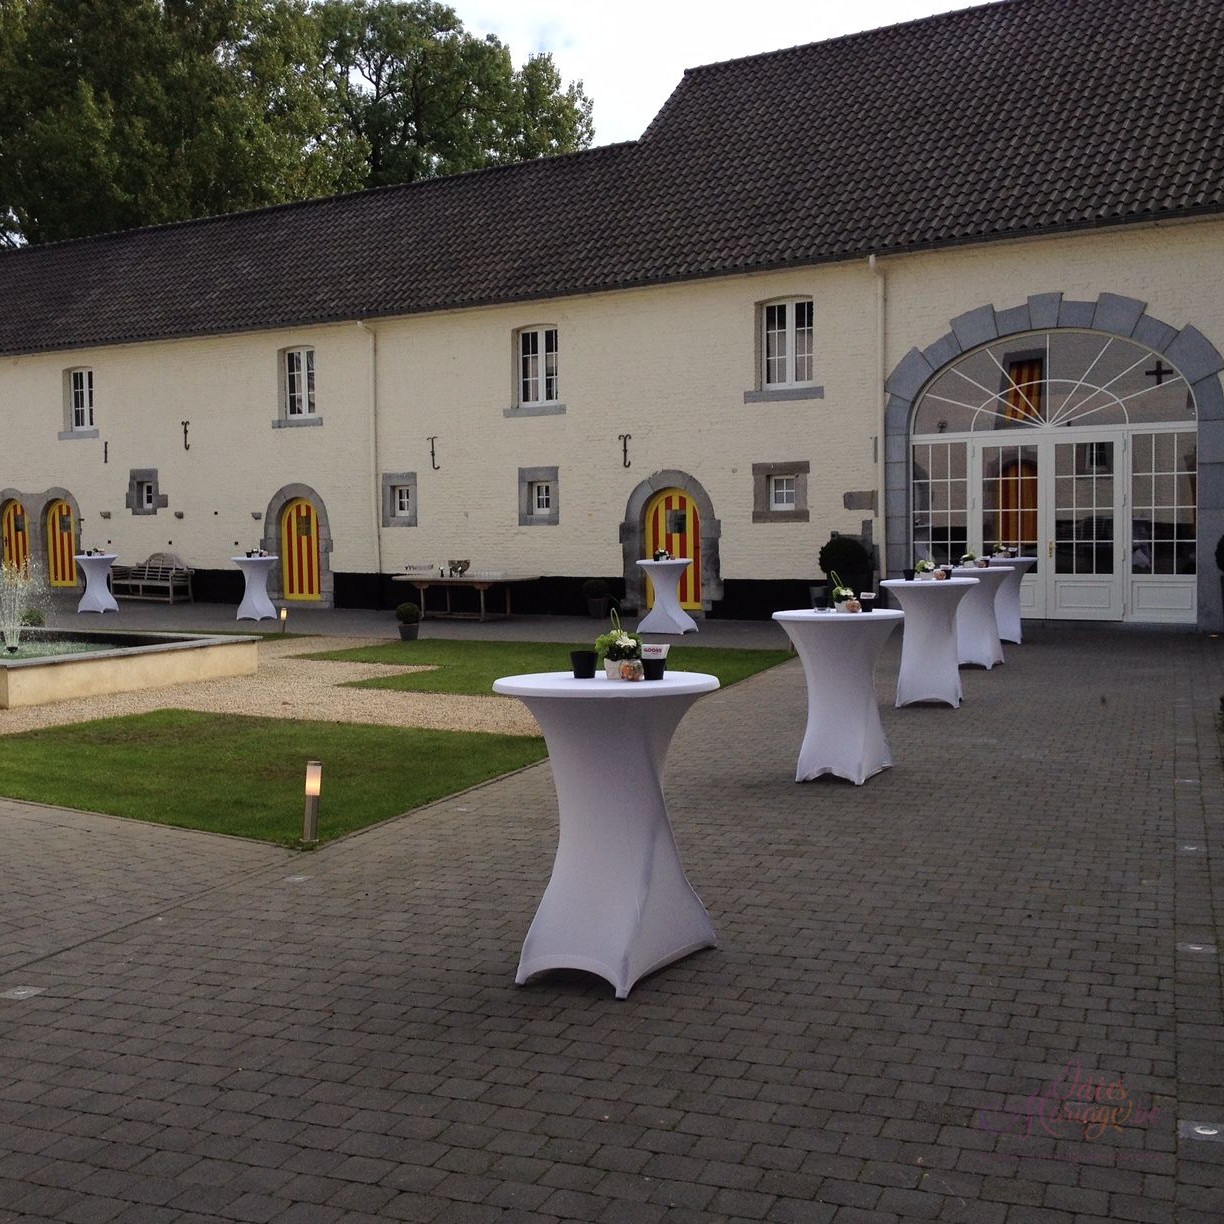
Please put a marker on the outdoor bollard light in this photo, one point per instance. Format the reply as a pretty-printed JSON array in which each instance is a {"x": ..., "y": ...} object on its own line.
[
  {"x": 284, "y": 616},
  {"x": 314, "y": 783}
]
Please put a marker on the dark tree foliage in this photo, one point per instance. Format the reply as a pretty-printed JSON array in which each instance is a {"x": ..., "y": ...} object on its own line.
[{"x": 121, "y": 113}]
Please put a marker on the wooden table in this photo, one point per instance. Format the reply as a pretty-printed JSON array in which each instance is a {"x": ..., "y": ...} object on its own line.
[{"x": 448, "y": 584}]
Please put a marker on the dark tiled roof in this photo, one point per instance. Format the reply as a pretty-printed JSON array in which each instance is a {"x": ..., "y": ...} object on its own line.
[{"x": 1013, "y": 118}]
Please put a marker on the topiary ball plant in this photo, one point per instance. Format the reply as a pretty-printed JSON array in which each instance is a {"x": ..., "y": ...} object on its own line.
[{"x": 846, "y": 555}]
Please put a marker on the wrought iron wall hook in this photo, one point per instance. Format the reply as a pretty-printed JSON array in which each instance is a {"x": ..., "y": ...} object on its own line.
[
  {"x": 624, "y": 441},
  {"x": 433, "y": 462},
  {"x": 186, "y": 444}
]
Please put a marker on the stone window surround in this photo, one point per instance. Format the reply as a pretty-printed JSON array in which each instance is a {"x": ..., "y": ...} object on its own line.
[
  {"x": 390, "y": 482},
  {"x": 762, "y": 511},
  {"x": 530, "y": 408},
  {"x": 283, "y": 419},
  {"x": 69, "y": 432},
  {"x": 1195, "y": 357},
  {"x": 777, "y": 393},
  {"x": 144, "y": 476},
  {"x": 526, "y": 478}
]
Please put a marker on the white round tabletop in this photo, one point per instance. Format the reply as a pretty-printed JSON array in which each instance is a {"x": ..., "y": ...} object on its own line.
[
  {"x": 926, "y": 582},
  {"x": 563, "y": 684},
  {"x": 832, "y": 616},
  {"x": 243, "y": 560}
]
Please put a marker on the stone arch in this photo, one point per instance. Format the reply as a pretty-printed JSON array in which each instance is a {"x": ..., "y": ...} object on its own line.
[
  {"x": 633, "y": 536},
  {"x": 1194, "y": 356},
  {"x": 271, "y": 540}
]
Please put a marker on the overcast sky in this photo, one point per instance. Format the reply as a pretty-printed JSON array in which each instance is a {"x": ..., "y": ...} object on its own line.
[{"x": 631, "y": 54}]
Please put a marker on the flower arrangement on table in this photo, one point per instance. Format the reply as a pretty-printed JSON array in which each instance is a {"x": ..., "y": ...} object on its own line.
[
  {"x": 661, "y": 554},
  {"x": 620, "y": 651},
  {"x": 925, "y": 569},
  {"x": 971, "y": 559},
  {"x": 844, "y": 598}
]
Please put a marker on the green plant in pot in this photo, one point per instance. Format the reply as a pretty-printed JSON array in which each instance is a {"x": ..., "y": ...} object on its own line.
[
  {"x": 409, "y": 617},
  {"x": 847, "y": 556},
  {"x": 619, "y": 647},
  {"x": 598, "y": 595}
]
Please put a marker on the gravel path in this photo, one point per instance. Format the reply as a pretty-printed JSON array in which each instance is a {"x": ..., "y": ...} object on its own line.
[{"x": 290, "y": 686}]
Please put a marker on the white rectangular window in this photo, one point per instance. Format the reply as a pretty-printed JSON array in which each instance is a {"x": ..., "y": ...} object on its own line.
[
  {"x": 538, "y": 349},
  {"x": 782, "y": 493},
  {"x": 787, "y": 343},
  {"x": 82, "y": 399},
  {"x": 541, "y": 497},
  {"x": 402, "y": 498},
  {"x": 144, "y": 494},
  {"x": 299, "y": 382}
]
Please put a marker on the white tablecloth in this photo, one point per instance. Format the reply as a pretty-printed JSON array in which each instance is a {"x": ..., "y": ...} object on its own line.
[
  {"x": 1007, "y": 597},
  {"x": 977, "y": 631},
  {"x": 255, "y": 604},
  {"x": 667, "y": 616},
  {"x": 97, "y": 596},
  {"x": 928, "y": 651},
  {"x": 618, "y": 903},
  {"x": 838, "y": 651}
]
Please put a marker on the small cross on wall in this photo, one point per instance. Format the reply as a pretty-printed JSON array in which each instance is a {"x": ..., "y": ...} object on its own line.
[{"x": 1159, "y": 372}]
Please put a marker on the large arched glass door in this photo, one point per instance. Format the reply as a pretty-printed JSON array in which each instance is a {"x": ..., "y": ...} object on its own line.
[{"x": 1077, "y": 448}]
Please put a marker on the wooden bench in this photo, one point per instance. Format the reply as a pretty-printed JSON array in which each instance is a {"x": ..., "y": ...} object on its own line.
[{"x": 162, "y": 577}]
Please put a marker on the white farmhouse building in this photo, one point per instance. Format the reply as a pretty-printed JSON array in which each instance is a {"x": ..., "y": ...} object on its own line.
[{"x": 936, "y": 286}]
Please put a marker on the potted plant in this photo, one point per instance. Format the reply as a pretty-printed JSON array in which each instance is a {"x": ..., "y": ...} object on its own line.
[
  {"x": 847, "y": 556},
  {"x": 409, "y": 617},
  {"x": 620, "y": 651},
  {"x": 844, "y": 598},
  {"x": 598, "y": 595},
  {"x": 924, "y": 569}
]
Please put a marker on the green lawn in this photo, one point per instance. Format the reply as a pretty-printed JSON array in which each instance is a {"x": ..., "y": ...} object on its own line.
[
  {"x": 471, "y": 667},
  {"x": 225, "y": 773},
  {"x": 234, "y": 774}
]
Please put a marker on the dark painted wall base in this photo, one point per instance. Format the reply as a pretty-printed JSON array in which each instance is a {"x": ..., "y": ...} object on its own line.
[{"x": 743, "y": 599}]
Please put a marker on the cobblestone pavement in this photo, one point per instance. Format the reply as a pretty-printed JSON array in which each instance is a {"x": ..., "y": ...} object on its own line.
[{"x": 917, "y": 981}]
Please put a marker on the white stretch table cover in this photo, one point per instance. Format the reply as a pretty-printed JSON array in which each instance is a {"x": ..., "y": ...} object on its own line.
[
  {"x": 618, "y": 903},
  {"x": 977, "y": 630},
  {"x": 929, "y": 669},
  {"x": 97, "y": 596},
  {"x": 1007, "y": 597},
  {"x": 667, "y": 616},
  {"x": 838, "y": 651},
  {"x": 255, "y": 604}
]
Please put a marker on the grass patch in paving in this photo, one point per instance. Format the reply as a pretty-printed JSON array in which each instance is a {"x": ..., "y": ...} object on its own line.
[
  {"x": 235, "y": 774},
  {"x": 471, "y": 667}
]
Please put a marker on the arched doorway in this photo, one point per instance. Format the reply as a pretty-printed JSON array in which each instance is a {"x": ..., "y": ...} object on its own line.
[
  {"x": 16, "y": 534},
  {"x": 673, "y": 522},
  {"x": 702, "y": 535},
  {"x": 1074, "y": 438},
  {"x": 301, "y": 576},
  {"x": 61, "y": 544}
]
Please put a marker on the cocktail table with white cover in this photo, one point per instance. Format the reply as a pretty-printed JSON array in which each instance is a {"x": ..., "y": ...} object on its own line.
[
  {"x": 977, "y": 630},
  {"x": 667, "y": 616},
  {"x": 929, "y": 665},
  {"x": 1007, "y": 597},
  {"x": 838, "y": 651},
  {"x": 618, "y": 903},
  {"x": 255, "y": 604},
  {"x": 97, "y": 596}
]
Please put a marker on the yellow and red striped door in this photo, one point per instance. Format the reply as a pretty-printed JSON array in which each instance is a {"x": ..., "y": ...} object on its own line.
[
  {"x": 300, "y": 551},
  {"x": 16, "y": 534},
  {"x": 61, "y": 545},
  {"x": 672, "y": 522}
]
